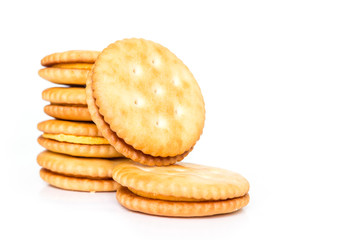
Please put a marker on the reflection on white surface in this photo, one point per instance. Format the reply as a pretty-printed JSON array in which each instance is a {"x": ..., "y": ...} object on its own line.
[{"x": 61, "y": 196}]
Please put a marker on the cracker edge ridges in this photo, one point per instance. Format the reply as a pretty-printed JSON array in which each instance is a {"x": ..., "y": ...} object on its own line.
[
  {"x": 79, "y": 150},
  {"x": 178, "y": 209},
  {"x": 77, "y": 184}
]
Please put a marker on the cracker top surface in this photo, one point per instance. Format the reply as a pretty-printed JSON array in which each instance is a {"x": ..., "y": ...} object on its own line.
[
  {"x": 65, "y": 95},
  {"x": 73, "y": 56},
  {"x": 56, "y": 126},
  {"x": 182, "y": 180},
  {"x": 149, "y": 97}
]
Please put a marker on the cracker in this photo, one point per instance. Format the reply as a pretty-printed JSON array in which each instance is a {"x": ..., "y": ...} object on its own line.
[
  {"x": 178, "y": 209},
  {"x": 65, "y": 95},
  {"x": 76, "y": 166},
  {"x": 149, "y": 97},
  {"x": 78, "y": 184},
  {"x": 118, "y": 143},
  {"x": 73, "y": 56},
  {"x": 182, "y": 180},
  {"x": 64, "y": 76},
  {"x": 68, "y": 112},
  {"x": 80, "y": 150},
  {"x": 69, "y": 127}
]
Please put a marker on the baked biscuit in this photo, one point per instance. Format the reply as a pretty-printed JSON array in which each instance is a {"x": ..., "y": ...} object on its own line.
[
  {"x": 99, "y": 168},
  {"x": 76, "y": 139},
  {"x": 65, "y": 95},
  {"x": 69, "y": 127},
  {"x": 182, "y": 190},
  {"x": 68, "y": 112},
  {"x": 69, "y": 67},
  {"x": 80, "y": 150},
  {"x": 145, "y": 101},
  {"x": 78, "y": 184},
  {"x": 68, "y": 103}
]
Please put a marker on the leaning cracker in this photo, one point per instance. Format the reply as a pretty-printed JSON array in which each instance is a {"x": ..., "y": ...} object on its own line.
[
  {"x": 178, "y": 209},
  {"x": 68, "y": 112},
  {"x": 73, "y": 56},
  {"x": 78, "y": 184},
  {"x": 69, "y": 127},
  {"x": 118, "y": 143},
  {"x": 64, "y": 76},
  {"x": 76, "y": 166},
  {"x": 65, "y": 95},
  {"x": 79, "y": 150},
  {"x": 149, "y": 97},
  {"x": 182, "y": 180}
]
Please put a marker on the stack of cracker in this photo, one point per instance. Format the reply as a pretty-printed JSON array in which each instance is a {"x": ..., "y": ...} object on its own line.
[
  {"x": 147, "y": 107},
  {"x": 77, "y": 156}
]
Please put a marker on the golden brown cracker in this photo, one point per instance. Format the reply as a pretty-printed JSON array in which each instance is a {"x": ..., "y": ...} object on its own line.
[
  {"x": 69, "y": 127},
  {"x": 72, "y": 56},
  {"x": 64, "y": 76},
  {"x": 77, "y": 166},
  {"x": 65, "y": 95},
  {"x": 148, "y": 86},
  {"x": 68, "y": 112},
  {"x": 78, "y": 184},
  {"x": 178, "y": 209},
  {"x": 182, "y": 180},
  {"x": 80, "y": 150}
]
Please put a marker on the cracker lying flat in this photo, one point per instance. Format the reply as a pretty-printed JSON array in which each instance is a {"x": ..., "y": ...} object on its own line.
[
  {"x": 77, "y": 167},
  {"x": 80, "y": 150},
  {"x": 180, "y": 190},
  {"x": 78, "y": 184},
  {"x": 65, "y": 95},
  {"x": 148, "y": 97},
  {"x": 182, "y": 180},
  {"x": 73, "y": 56},
  {"x": 64, "y": 76},
  {"x": 69, "y": 67},
  {"x": 69, "y": 127},
  {"x": 178, "y": 209},
  {"x": 68, "y": 112}
]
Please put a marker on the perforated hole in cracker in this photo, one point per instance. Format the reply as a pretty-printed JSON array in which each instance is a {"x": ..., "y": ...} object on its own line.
[
  {"x": 136, "y": 70},
  {"x": 178, "y": 111},
  {"x": 158, "y": 90},
  {"x": 160, "y": 123}
]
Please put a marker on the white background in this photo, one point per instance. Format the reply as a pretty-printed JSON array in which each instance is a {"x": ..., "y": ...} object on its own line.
[{"x": 281, "y": 86}]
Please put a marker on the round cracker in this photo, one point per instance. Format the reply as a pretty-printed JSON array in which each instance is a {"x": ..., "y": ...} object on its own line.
[
  {"x": 80, "y": 150},
  {"x": 65, "y": 95},
  {"x": 72, "y": 56},
  {"x": 149, "y": 97},
  {"x": 178, "y": 209},
  {"x": 182, "y": 180},
  {"x": 69, "y": 127},
  {"x": 78, "y": 184},
  {"x": 64, "y": 76},
  {"x": 68, "y": 112},
  {"x": 76, "y": 166},
  {"x": 118, "y": 143}
]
